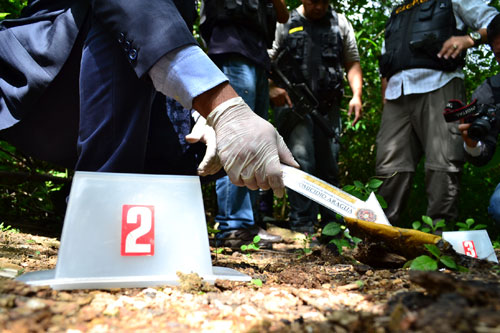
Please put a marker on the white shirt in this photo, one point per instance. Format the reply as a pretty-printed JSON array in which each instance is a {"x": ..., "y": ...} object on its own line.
[
  {"x": 475, "y": 14},
  {"x": 474, "y": 151}
]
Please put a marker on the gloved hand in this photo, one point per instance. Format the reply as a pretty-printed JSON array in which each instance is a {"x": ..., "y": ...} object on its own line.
[
  {"x": 202, "y": 132},
  {"x": 249, "y": 147}
]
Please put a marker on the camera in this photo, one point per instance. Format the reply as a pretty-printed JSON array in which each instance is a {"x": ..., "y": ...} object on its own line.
[{"x": 482, "y": 117}]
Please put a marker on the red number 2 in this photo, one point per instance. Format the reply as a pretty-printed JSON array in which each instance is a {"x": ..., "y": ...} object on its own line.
[{"x": 137, "y": 230}]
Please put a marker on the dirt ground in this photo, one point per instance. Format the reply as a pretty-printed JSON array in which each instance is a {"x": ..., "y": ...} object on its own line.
[{"x": 292, "y": 291}]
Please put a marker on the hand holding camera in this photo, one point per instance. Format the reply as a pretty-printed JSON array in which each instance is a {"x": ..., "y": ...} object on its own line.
[{"x": 477, "y": 119}]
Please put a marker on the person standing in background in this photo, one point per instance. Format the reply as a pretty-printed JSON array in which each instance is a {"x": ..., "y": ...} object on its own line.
[
  {"x": 237, "y": 34},
  {"x": 316, "y": 45},
  {"x": 421, "y": 68}
]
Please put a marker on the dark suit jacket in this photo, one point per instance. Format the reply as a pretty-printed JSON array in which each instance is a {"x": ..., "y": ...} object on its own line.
[
  {"x": 40, "y": 56},
  {"x": 37, "y": 45}
]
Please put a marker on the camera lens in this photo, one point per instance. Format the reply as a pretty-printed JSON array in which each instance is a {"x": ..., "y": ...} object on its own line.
[{"x": 479, "y": 129}]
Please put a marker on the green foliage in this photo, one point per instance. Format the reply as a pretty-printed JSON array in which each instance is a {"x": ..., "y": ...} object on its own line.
[
  {"x": 212, "y": 230},
  {"x": 469, "y": 225},
  {"x": 24, "y": 191},
  {"x": 363, "y": 191},
  {"x": 306, "y": 243},
  {"x": 256, "y": 282},
  {"x": 254, "y": 246},
  {"x": 431, "y": 226},
  {"x": 11, "y": 8},
  {"x": 8, "y": 228},
  {"x": 426, "y": 263},
  {"x": 342, "y": 237},
  {"x": 332, "y": 229}
]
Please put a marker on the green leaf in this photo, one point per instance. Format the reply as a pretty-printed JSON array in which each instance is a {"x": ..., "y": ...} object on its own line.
[
  {"x": 256, "y": 282},
  {"x": 448, "y": 262},
  {"x": 427, "y": 220},
  {"x": 256, "y": 239},
  {"x": 331, "y": 229},
  {"x": 381, "y": 201},
  {"x": 424, "y": 263},
  {"x": 344, "y": 242},
  {"x": 425, "y": 230},
  {"x": 416, "y": 225},
  {"x": 3, "y": 15},
  {"x": 212, "y": 230},
  {"x": 375, "y": 183},
  {"x": 480, "y": 227},
  {"x": 356, "y": 240},
  {"x": 359, "y": 184},
  {"x": 348, "y": 188},
  {"x": 369, "y": 41},
  {"x": 358, "y": 194},
  {"x": 462, "y": 225},
  {"x": 440, "y": 224},
  {"x": 433, "y": 249},
  {"x": 340, "y": 243},
  {"x": 469, "y": 222}
]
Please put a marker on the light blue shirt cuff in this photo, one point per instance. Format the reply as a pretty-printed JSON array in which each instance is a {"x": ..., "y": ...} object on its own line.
[{"x": 185, "y": 73}]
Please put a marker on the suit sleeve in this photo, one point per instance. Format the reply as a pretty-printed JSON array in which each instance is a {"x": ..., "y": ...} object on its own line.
[{"x": 145, "y": 30}]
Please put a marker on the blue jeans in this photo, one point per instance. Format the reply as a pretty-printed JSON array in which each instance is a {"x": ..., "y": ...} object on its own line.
[
  {"x": 494, "y": 207},
  {"x": 235, "y": 203},
  {"x": 317, "y": 155}
]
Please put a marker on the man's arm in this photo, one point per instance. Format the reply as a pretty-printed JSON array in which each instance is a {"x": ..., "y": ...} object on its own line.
[
  {"x": 383, "y": 81},
  {"x": 281, "y": 11},
  {"x": 355, "y": 78},
  {"x": 209, "y": 100},
  {"x": 474, "y": 14},
  {"x": 479, "y": 153},
  {"x": 189, "y": 76},
  {"x": 278, "y": 96},
  {"x": 454, "y": 45}
]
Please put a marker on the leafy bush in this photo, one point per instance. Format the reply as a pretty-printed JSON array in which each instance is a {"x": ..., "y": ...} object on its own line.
[
  {"x": 11, "y": 8},
  {"x": 427, "y": 263}
]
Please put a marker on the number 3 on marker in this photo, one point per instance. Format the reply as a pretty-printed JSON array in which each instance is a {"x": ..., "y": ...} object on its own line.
[
  {"x": 469, "y": 248},
  {"x": 137, "y": 230}
]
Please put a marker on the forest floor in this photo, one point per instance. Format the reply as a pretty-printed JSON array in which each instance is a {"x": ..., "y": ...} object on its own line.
[{"x": 292, "y": 291}]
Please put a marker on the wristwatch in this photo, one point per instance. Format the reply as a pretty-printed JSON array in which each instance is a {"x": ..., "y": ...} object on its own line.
[{"x": 476, "y": 37}]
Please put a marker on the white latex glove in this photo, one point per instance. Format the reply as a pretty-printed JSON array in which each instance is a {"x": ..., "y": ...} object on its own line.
[
  {"x": 202, "y": 132},
  {"x": 249, "y": 147}
]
